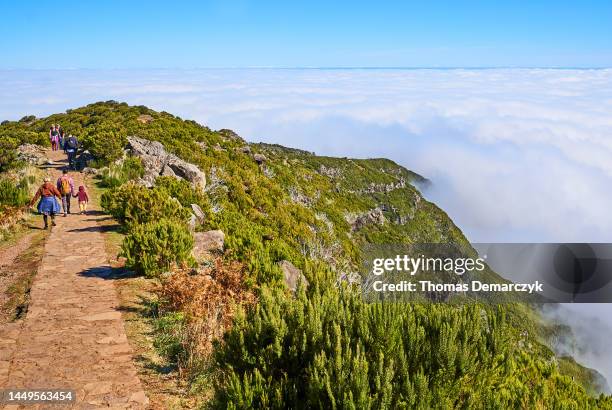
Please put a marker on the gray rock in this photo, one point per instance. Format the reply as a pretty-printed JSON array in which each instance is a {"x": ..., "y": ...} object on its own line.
[
  {"x": 187, "y": 171},
  {"x": 198, "y": 213},
  {"x": 259, "y": 158},
  {"x": 292, "y": 276},
  {"x": 32, "y": 154},
  {"x": 192, "y": 223},
  {"x": 167, "y": 172},
  {"x": 207, "y": 244},
  {"x": 157, "y": 161},
  {"x": 90, "y": 171}
]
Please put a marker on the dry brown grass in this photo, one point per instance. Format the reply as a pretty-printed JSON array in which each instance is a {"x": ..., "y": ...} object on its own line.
[{"x": 209, "y": 298}]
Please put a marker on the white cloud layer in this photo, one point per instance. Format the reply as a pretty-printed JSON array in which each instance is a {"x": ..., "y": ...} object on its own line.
[{"x": 515, "y": 154}]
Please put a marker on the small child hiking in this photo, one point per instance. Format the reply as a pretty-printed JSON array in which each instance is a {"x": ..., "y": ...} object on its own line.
[{"x": 83, "y": 200}]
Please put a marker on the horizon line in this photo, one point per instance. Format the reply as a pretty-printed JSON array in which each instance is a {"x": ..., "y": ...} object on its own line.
[{"x": 312, "y": 68}]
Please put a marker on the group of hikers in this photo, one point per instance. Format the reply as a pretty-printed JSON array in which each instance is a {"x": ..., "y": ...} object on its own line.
[
  {"x": 69, "y": 143},
  {"x": 51, "y": 194}
]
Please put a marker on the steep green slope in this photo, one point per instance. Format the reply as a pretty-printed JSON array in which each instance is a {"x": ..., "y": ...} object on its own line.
[{"x": 276, "y": 203}]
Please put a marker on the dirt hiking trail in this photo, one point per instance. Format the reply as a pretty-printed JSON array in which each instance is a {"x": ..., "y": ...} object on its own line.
[{"x": 73, "y": 336}]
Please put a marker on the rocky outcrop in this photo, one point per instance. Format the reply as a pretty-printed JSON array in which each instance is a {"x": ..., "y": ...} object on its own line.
[
  {"x": 207, "y": 244},
  {"x": 292, "y": 276},
  {"x": 372, "y": 217},
  {"x": 157, "y": 162},
  {"x": 230, "y": 135},
  {"x": 32, "y": 154},
  {"x": 144, "y": 118},
  {"x": 330, "y": 171}
]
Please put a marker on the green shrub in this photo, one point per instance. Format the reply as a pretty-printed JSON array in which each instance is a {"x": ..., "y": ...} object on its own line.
[
  {"x": 134, "y": 204},
  {"x": 154, "y": 247},
  {"x": 106, "y": 145},
  {"x": 326, "y": 348},
  {"x": 118, "y": 174},
  {"x": 8, "y": 155},
  {"x": 182, "y": 190},
  {"x": 12, "y": 194}
]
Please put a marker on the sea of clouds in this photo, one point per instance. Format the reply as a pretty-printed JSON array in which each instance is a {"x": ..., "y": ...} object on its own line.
[
  {"x": 519, "y": 155},
  {"x": 514, "y": 154}
]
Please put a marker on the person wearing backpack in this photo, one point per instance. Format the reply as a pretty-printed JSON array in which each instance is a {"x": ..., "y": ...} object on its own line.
[
  {"x": 48, "y": 205},
  {"x": 65, "y": 186},
  {"x": 71, "y": 146}
]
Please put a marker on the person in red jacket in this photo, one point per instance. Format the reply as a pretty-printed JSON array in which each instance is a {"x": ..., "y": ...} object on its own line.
[
  {"x": 49, "y": 204},
  {"x": 83, "y": 200}
]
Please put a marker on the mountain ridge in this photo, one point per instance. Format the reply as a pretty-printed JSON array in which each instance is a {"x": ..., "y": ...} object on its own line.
[{"x": 276, "y": 203}]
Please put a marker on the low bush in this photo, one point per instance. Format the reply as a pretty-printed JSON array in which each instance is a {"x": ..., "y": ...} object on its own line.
[
  {"x": 12, "y": 194},
  {"x": 327, "y": 348},
  {"x": 134, "y": 204},
  {"x": 106, "y": 145},
  {"x": 183, "y": 191},
  {"x": 154, "y": 247},
  {"x": 118, "y": 174},
  {"x": 8, "y": 155}
]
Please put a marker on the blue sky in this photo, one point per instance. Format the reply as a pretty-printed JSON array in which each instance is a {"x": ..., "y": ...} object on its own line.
[{"x": 186, "y": 34}]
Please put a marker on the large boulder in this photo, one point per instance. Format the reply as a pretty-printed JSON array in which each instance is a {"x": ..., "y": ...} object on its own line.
[
  {"x": 32, "y": 154},
  {"x": 292, "y": 276},
  {"x": 207, "y": 244},
  {"x": 157, "y": 162}
]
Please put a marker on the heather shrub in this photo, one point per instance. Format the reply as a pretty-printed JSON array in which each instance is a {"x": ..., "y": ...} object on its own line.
[
  {"x": 182, "y": 190},
  {"x": 154, "y": 247},
  {"x": 8, "y": 155},
  {"x": 12, "y": 194},
  {"x": 118, "y": 174},
  {"x": 106, "y": 145},
  {"x": 326, "y": 348},
  {"x": 134, "y": 204}
]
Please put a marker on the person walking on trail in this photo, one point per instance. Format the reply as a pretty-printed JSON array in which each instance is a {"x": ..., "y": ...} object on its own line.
[
  {"x": 65, "y": 185},
  {"x": 49, "y": 204},
  {"x": 83, "y": 200},
  {"x": 71, "y": 145},
  {"x": 54, "y": 138},
  {"x": 62, "y": 139}
]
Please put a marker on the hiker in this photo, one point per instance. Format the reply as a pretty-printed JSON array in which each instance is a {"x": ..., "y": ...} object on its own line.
[
  {"x": 83, "y": 200},
  {"x": 71, "y": 146},
  {"x": 65, "y": 186},
  {"x": 62, "y": 139},
  {"x": 54, "y": 138},
  {"x": 49, "y": 204}
]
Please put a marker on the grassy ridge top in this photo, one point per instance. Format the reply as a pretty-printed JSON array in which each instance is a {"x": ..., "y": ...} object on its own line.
[{"x": 294, "y": 196}]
